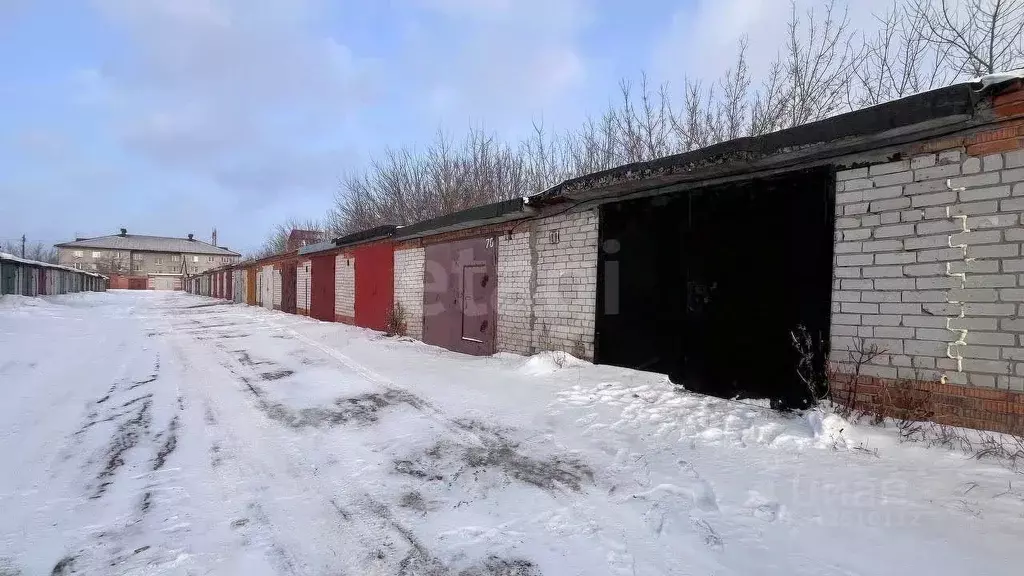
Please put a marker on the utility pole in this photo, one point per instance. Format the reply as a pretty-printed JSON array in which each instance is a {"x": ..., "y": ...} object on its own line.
[{"x": 22, "y": 245}]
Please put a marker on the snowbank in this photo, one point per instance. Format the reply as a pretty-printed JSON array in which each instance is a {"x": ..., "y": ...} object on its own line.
[{"x": 546, "y": 363}]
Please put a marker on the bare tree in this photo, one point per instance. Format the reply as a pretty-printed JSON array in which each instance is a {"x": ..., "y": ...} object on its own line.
[
  {"x": 735, "y": 96},
  {"x": 34, "y": 251},
  {"x": 823, "y": 68},
  {"x": 899, "y": 59},
  {"x": 817, "y": 64},
  {"x": 768, "y": 110},
  {"x": 277, "y": 240},
  {"x": 981, "y": 36}
]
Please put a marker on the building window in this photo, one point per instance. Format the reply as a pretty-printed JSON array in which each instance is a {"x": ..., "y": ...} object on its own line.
[
  {"x": 175, "y": 257},
  {"x": 137, "y": 266},
  {"x": 78, "y": 253},
  {"x": 158, "y": 260},
  {"x": 78, "y": 265},
  {"x": 94, "y": 267},
  {"x": 209, "y": 258},
  {"x": 195, "y": 259},
  {"x": 97, "y": 254},
  {"x": 136, "y": 256}
]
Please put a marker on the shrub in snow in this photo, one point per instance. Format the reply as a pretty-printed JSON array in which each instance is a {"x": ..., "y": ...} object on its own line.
[{"x": 396, "y": 324}]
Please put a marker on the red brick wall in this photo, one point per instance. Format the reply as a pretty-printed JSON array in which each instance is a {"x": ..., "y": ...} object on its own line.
[
  {"x": 952, "y": 404},
  {"x": 121, "y": 282},
  {"x": 489, "y": 230}
]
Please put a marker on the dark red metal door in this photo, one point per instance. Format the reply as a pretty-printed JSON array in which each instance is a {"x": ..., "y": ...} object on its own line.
[
  {"x": 460, "y": 296},
  {"x": 289, "y": 276},
  {"x": 375, "y": 281},
  {"x": 250, "y": 286},
  {"x": 321, "y": 292},
  {"x": 229, "y": 280}
]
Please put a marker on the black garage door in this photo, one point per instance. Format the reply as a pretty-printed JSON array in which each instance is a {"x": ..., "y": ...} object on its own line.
[{"x": 707, "y": 285}]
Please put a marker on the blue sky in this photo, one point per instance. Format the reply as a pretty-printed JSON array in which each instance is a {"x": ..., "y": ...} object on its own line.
[{"x": 176, "y": 116}]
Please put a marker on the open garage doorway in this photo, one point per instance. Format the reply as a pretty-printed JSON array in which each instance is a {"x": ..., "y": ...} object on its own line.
[{"x": 706, "y": 285}]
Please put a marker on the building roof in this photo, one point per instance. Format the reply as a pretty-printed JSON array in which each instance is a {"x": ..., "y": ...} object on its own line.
[
  {"x": 149, "y": 244},
  {"x": 914, "y": 118},
  {"x": 362, "y": 237},
  {"x": 298, "y": 238},
  {"x": 5, "y": 257},
  {"x": 889, "y": 125},
  {"x": 495, "y": 213}
]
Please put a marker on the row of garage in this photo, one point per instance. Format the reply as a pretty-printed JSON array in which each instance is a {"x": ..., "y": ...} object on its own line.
[
  {"x": 525, "y": 275},
  {"x": 703, "y": 265},
  {"x": 33, "y": 278},
  {"x": 319, "y": 280}
]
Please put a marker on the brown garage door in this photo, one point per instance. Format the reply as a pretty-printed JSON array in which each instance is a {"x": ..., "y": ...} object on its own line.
[
  {"x": 460, "y": 296},
  {"x": 289, "y": 276}
]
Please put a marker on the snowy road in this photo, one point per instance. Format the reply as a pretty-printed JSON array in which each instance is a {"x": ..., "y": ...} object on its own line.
[{"x": 162, "y": 433}]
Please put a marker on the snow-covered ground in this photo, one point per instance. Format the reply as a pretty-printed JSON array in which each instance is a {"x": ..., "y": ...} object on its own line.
[{"x": 163, "y": 433}]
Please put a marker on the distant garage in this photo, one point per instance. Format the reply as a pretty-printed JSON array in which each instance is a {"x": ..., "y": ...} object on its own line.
[
  {"x": 164, "y": 281},
  {"x": 351, "y": 278}
]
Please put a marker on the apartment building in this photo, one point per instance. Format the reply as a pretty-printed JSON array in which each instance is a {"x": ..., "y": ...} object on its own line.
[{"x": 134, "y": 261}]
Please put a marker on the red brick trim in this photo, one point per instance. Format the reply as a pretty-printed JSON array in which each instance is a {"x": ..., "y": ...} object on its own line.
[
  {"x": 952, "y": 404},
  {"x": 488, "y": 230},
  {"x": 1003, "y": 137}
]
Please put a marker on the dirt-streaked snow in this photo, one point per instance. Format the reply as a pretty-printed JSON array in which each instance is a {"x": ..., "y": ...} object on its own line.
[{"x": 162, "y": 433}]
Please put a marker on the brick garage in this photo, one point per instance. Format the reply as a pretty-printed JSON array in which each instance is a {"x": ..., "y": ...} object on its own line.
[
  {"x": 303, "y": 286},
  {"x": 924, "y": 201},
  {"x": 351, "y": 278},
  {"x": 921, "y": 205},
  {"x": 928, "y": 271},
  {"x": 546, "y": 273},
  {"x": 345, "y": 287}
]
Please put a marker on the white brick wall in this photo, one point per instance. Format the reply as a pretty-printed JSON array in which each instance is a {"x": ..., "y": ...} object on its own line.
[
  {"x": 302, "y": 287},
  {"x": 930, "y": 270},
  {"x": 267, "y": 287},
  {"x": 547, "y": 285},
  {"x": 564, "y": 298},
  {"x": 409, "y": 287},
  {"x": 515, "y": 293},
  {"x": 345, "y": 285},
  {"x": 277, "y": 288}
]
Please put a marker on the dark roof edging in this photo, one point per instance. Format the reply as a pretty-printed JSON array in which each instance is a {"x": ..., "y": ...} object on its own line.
[
  {"x": 354, "y": 239},
  {"x": 933, "y": 113},
  {"x": 494, "y": 213}
]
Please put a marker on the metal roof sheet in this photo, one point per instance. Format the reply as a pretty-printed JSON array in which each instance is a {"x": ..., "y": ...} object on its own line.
[{"x": 149, "y": 244}]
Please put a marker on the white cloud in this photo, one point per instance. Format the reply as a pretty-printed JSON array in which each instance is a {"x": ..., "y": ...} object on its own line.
[
  {"x": 502, "y": 61},
  {"x": 702, "y": 38},
  {"x": 220, "y": 87}
]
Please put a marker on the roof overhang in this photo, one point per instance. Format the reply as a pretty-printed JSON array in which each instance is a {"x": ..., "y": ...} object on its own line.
[
  {"x": 367, "y": 236},
  {"x": 265, "y": 260},
  {"x": 876, "y": 129},
  {"x": 496, "y": 213},
  {"x": 5, "y": 257}
]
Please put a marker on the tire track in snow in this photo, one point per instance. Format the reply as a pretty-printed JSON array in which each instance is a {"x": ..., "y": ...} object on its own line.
[
  {"x": 463, "y": 431},
  {"x": 386, "y": 545},
  {"x": 243, "y": 471}
]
